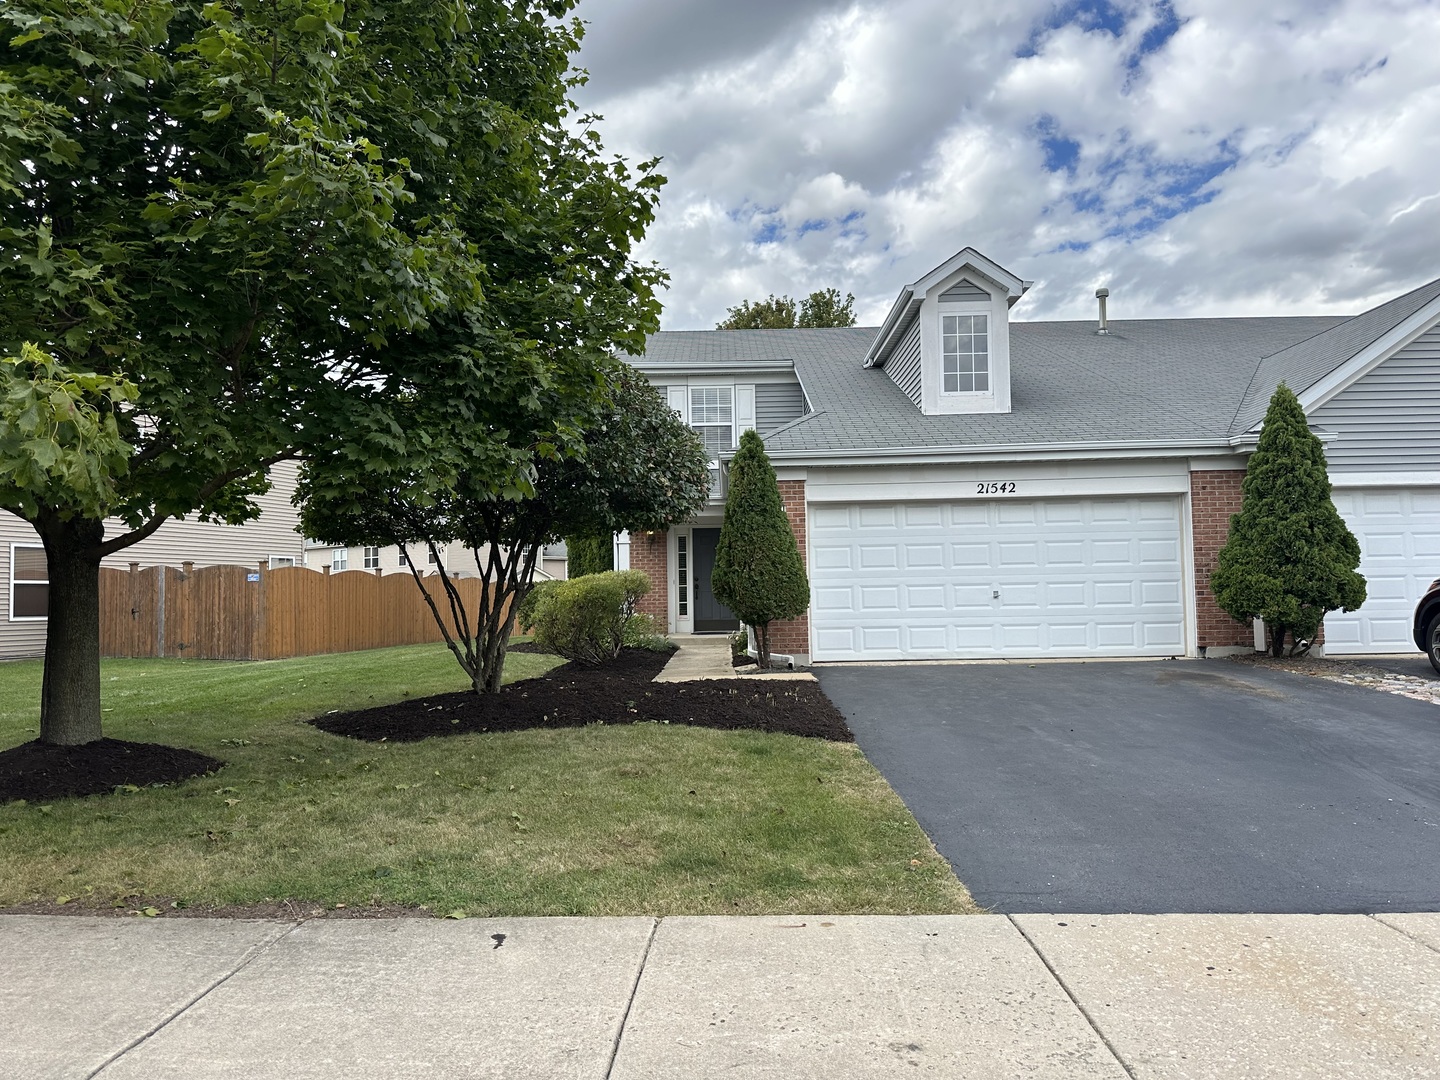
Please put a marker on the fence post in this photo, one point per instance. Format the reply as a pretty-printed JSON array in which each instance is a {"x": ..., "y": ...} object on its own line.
[
  {"x": 162, "y": 572},
  {"x": 260, "y": 636}
]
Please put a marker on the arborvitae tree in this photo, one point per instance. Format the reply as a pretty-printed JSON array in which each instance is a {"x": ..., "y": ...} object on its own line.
[
  {"x": 758, "y": 573},
  {"x": 589, "y": 555},
  {"x": 1289, "y": 558}
]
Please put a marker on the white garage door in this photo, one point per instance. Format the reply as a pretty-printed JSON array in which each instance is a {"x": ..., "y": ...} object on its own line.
[
  {"x": 1399, "y": 534},
  {"x": 1052, "y": 577}
]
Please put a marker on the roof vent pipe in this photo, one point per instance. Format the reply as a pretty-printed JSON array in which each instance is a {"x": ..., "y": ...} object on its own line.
[{"x": 1101, "y": 295}]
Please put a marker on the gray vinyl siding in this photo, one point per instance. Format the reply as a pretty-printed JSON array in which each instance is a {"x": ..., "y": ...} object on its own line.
[
  {"x": 776, "y": 404},
  {"x": 903, "y": 367},
  {"x": 275, "y": 532},
  {"x": 1388, "y": 420},
  {"x": 964, "y": 290}
]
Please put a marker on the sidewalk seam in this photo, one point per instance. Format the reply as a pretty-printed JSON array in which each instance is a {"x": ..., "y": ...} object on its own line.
[
  {"x": 1403, "y": 933},
  {"x": 251, "y": 954},
  {"x": 1115, "y": 1053},
  {"x": 630, "y": 1004}
]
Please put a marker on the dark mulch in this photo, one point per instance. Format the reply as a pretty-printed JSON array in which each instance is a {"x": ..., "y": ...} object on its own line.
[
  {"x": 620, "y": 692},
  {"x": 34, "y": 771}
]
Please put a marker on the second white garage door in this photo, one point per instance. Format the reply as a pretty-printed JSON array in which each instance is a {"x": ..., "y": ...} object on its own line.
[
  {"x": 1399, "y": 534},
  {"x": 1052, "y": 577}
]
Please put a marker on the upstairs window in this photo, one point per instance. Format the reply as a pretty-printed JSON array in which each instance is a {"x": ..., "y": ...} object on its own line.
[
  {"x": 712, "y": 414},
  {"x": 339, "y": 559},
  {"x": 372, "y": 558},
  {"x": 29, "y": 583},
  {"x": 965, "y": 349}
]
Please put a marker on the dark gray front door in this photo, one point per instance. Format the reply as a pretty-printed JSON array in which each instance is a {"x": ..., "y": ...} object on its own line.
[{"x": 710, "y": 614}]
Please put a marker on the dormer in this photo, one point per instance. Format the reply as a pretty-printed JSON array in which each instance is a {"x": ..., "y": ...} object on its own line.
[{"x": 946, "y": 341}]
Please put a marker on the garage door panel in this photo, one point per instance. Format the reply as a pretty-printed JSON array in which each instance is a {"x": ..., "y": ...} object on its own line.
[
  {"x": 1399, "y": 534},
  {"x": 830, "y": 557},
  {"x": 1061, "y": 577},
  {"x": 922, "y": 598},
  {"x": 1111, "y": 553},
  {"x": 918, "y": 555},
  {"x": 970, "y": 556}
]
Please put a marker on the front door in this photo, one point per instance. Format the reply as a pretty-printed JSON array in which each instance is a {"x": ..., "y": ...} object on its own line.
[{"x": 710, "y": 614}]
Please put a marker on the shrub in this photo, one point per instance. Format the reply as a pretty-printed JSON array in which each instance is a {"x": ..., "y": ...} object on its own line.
[
  {"x": 1289, "y": 557},
  {"x": 642, "y": 631},
  {"x": 758, "y": 574},
  {"x": 585, "y": 618},
  {"x": 588, "y": 555},
  {"x": 525, "y": 613}
]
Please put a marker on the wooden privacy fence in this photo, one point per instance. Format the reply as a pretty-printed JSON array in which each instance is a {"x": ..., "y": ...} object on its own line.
[{"x": 236, "y": 613}]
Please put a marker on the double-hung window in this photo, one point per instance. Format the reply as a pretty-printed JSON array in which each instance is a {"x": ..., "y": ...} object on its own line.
[
  {"x": 965, "y": 352},
  {"x": 29, "y": 582},
  {"x": 372, "y": 558},
  {"x": 712, "y": 415},
  {"x": 339, "y": 558}
]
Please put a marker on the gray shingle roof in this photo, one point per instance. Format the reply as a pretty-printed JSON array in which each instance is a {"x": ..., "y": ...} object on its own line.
[
  {"x": 1303, "y": 364},
  {"x": 1155, "y": 380}
]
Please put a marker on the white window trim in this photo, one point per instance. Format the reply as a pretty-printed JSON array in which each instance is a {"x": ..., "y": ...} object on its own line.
[
  {"x": 277, "y": 561},
  {"x": 11, "y": 610},
  {"x": 950, "y": 311},
  {"x": 339, "y": 560},
  {"x": 369, "y": 561}
]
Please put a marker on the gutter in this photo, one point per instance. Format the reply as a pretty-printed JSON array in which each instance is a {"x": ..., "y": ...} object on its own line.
[
  {"x": 922, "y": 455},
  {"x": 719, "y": 368}
]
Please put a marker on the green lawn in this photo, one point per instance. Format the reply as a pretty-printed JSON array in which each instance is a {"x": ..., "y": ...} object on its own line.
[{"x": 602, "y": 820}]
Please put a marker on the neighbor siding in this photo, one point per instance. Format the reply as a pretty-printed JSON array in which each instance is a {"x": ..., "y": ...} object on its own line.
[
  {"x": 776, "y": 404},
  {"x": 1388, "y": 420},
  {"x": 903, "y": 367}
]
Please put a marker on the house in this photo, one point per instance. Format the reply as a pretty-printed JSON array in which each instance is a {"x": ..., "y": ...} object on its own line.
[
  {"x": 454, "y": 557},
  {"x": 273, "y": 536},
  {"x": 964, "y": 484}
]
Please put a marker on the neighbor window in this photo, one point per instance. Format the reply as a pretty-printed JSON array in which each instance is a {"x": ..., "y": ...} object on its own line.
[
  {"x": 965, "y": 348},
  {"x": 404, "y": 560},
  {"x": 339, "y": 558},
  {"x": 29, "y": 583},
  {"x": 281, "y": 560},
  {"x": 372, "y": 558},
  {"x": 433, "y": 559},
  {"x": 712, "y": 415}
]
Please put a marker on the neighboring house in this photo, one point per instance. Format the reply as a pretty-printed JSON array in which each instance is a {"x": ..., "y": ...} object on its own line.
[
  {"x": 274, "y": 535},
  {"x": 456, "y": 559},
  {"x": 965, "y": 486}
]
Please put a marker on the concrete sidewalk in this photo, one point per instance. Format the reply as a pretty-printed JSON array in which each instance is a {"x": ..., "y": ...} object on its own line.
[{"x": 989, "y": 996}]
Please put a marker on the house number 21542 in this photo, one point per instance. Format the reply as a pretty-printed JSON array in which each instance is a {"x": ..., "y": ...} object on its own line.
[{"x": 996, "y": 487}]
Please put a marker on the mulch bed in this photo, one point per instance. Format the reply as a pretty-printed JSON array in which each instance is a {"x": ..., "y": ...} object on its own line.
[
  {"x": 36, "y": 771},
  {"x": 620, "y": 692}
]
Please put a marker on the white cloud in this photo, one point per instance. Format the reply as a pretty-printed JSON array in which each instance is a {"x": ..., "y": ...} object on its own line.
[{"x": 1266, "y": 158}]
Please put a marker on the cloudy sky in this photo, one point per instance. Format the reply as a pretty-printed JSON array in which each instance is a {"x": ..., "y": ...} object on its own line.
[{"x": 1201, "y": 157}]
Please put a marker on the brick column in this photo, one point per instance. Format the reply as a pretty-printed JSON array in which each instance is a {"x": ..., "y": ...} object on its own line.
[
  {"x": 1215, "y": 497},
  {"x": 792, "y": 636},
  {"x": 650, "y": 552}
]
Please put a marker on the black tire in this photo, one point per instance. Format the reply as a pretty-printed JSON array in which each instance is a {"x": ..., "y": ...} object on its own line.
[{"x": 1432, "y": 639}]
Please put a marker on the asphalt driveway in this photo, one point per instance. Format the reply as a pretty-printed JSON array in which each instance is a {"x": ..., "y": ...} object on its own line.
[{"x": 1174, "y": 786}]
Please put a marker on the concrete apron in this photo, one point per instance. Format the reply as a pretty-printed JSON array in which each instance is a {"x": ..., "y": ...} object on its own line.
[{"x": 988, "y": 996}]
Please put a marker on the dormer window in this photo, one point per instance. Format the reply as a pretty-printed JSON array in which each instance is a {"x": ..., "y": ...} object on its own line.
[
  {"x": 946, "y": 342},
  {"x": 965, "y": 345}
]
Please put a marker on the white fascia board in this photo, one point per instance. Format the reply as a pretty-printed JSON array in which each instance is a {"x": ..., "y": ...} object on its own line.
[
  {"x": 970, "y": 257},
  {"x": 1370, "y": 357},
  {"x": 739, "y": 368},
  {"x": 882, "y": 344},
  {"x": 1246, "y": 443},
  {"x": 1384, "y": 479},
  {"x": 921, "y": 455}
]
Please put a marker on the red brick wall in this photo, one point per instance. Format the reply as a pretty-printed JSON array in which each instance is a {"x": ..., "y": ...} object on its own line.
[
  {"x": 650, "y": 552},
  {"x": 793, "y": 635},
  {"x": 1214, "y": 498}
]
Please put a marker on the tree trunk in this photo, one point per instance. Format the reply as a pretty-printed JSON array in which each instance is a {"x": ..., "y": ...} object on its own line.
[
  {"x": 762, "y": 646},
  {"x": 70, "y": 691},
  {"x": 1277, "y": 641}
]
